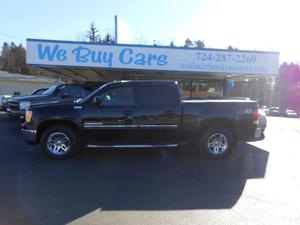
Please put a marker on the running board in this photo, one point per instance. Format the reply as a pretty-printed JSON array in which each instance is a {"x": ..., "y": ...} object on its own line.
[{"x": 133, "y": 146}]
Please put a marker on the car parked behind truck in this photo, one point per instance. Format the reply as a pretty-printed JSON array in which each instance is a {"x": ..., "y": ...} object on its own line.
[
  {"x": 4, "y": 99},
  {"x": 4, "y": 102},
  {"x": 140, "y": 114},
  {"x": 58, "y": 93}
]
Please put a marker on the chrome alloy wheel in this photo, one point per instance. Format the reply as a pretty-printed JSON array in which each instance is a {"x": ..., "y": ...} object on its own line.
[
  {"x": 217, "y": 143},
  {"x": 58, "y": 143}
]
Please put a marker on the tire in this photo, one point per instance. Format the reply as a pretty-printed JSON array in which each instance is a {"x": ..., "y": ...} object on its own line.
[
  {"x": 59, "y": 141},
  {"x": 216, "y": 142}
]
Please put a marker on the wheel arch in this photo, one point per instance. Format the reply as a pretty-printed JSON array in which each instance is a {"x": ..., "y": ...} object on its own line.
[
  {"x": 48, "y": 123},
  {"x": 226, "y": 123}
]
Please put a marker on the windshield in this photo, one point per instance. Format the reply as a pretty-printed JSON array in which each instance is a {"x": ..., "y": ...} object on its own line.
[
  {"x": 38, "y": 91},
  {"x": 50, "y": 91}
]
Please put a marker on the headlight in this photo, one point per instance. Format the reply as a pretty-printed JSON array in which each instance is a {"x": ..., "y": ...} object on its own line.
[
  {"x": 24, "y": 105},
  {"x": 28, "y": 116}
]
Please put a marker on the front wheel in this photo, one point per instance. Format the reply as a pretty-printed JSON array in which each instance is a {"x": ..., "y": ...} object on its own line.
[
  {"x": 216, "y": 142},
  {"x": 58, "y": 141}
]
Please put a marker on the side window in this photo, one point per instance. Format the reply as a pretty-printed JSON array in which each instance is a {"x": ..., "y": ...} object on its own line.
[
  {"x": 154, "y": 95},
  {"x": 120, "y": 96},
  {"x": 74, "y": 91},
  {"x": 40, "y": 91}
]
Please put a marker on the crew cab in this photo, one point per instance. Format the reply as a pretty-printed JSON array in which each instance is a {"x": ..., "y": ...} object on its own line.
[
  {"x": 140, "y": 114},
  {"x": 58, "y": 93}
]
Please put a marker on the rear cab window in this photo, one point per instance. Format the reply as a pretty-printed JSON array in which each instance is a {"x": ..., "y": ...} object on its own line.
[{"x": 155, "y": 95}]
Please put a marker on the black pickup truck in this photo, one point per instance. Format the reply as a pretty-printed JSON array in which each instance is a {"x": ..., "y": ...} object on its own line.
[{"x": 140, "y": 114}]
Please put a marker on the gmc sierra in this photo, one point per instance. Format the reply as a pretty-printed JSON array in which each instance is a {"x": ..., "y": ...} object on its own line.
[{"x": 140, "y": 114}]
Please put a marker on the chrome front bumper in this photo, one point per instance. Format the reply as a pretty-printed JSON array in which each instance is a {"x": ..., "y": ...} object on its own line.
[
  {"x": 30, "y": 136},
  {"x": 16, "y": 113}
]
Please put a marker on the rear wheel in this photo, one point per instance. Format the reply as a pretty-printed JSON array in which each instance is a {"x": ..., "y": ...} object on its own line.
[
  {"x": 58, "y": 141},
  {"x": 216, "y": 142}
]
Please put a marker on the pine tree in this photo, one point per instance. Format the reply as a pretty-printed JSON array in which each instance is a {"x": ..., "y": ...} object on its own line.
[
  {"x": 13, "y": 59},
  {"x": 199, "y": 44},
  {"x": 188, "y": 43},
  {"x": 92, "y": 34},
  {"x": 4, "y": 55},
  {"x": 108, "y": 39},
  {"x": 231, "y": 48}
]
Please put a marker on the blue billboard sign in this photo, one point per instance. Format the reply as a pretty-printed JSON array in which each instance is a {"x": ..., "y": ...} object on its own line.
[{"x": 85, "y": 54}]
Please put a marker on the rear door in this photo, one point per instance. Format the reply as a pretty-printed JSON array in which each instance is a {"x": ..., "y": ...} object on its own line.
[{"x": 158, "y": 113}]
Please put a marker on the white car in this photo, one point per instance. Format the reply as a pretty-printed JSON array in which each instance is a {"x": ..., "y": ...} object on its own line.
[
  {"x": 4, "y": 101},
  {"x": 290, "y": 113},
  {"x": 262, "y": 119}
]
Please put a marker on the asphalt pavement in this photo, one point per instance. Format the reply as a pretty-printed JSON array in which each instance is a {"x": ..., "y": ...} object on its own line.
[{"x": 258, "y": 184}]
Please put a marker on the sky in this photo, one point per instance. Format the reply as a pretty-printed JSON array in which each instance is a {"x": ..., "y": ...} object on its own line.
[{"x": 265, "y": 25}]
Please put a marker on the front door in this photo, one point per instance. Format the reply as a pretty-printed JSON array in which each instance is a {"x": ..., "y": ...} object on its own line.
[{"x": 112, "y": 122}]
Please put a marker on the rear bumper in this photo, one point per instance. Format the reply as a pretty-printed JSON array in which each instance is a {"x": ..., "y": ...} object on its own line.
[
  {"x": 256, "y": 135},
  {"x": 252, "y": 133},
  {"x": 30, "y": 136},
  {"x": 258, "y": 132}
]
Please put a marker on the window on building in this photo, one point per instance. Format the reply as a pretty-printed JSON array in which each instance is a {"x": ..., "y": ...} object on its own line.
[{"x": 198, "y": 89}]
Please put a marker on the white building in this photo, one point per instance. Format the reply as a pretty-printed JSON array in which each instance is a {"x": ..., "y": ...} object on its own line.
[{"x": 19, "y": 84}]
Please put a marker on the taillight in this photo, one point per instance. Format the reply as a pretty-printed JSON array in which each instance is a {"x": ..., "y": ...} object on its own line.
[{"x": 255, "y": 116}]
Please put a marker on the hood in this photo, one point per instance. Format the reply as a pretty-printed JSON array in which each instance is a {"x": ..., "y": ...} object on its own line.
[
  {"x": 32, "y": 98},
  {"x": 5, "y": 96},
  {"x": 52, "y": 104},
  {"x": 40, "y": 99}
]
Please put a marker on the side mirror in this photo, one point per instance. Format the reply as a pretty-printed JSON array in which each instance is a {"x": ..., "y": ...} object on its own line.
[
  {"x": 97, "y": 101},
  {"x": 65, "y": 95}
]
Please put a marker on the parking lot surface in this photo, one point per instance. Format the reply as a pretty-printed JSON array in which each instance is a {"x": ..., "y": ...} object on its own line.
[{"x": 258, "y": 184}]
